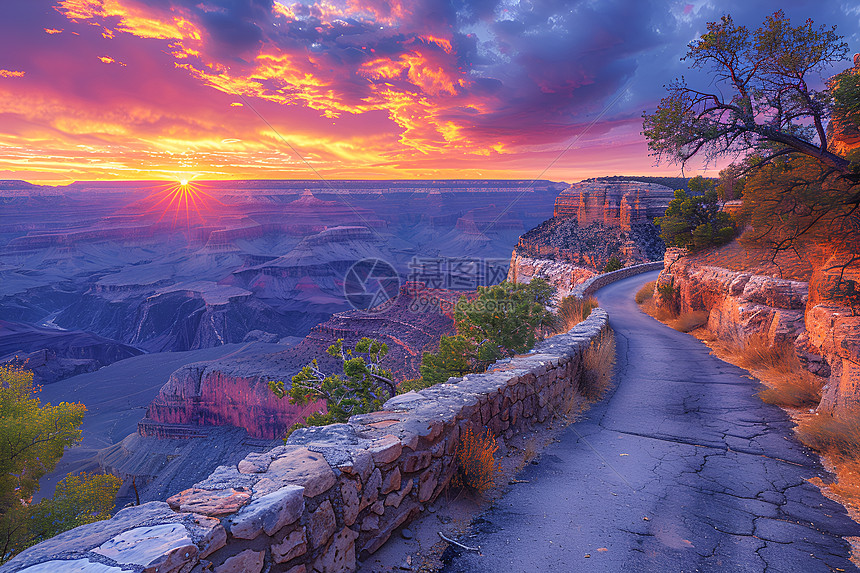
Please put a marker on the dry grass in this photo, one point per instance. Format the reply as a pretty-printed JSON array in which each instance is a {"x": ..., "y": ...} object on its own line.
[
  {"x": 573, "y": 310},
  {"x": 476, "y": 463},
  {"x": 646, "y": 292},
  {"x": 688, "y": 321},
  {"x": 838, "y": 440},
  {"x": 598, "y": 366}
]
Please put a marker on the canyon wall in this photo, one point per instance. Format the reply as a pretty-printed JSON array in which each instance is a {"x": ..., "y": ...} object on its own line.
[
  {"x": 740, "y": 305},
  {"x": 332, "y": 494}
]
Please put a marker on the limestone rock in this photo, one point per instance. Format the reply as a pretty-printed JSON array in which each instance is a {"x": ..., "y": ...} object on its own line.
[
  {"x": 386, "y": 450},
  {"x": 164, "y": 547},
  {"x": 340, "y": 555},
  {"x": 293, "y": 545},
  {"x": 322, "y": 524},
  {"x": 299, "y": 467},
  {"x": 248, "y": 561},
  {"x": 269, "y": 513},
  {"x": 206, "y": 502},
  {"x": 72, "y": 566}
]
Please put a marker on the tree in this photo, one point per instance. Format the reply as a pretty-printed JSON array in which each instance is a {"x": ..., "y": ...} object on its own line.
[
  {"x": 361, "y": 388},
  {"x": 78, "y": 500},
  {"x": 32, "y": 439},
  {"x": 506, "y": 319},
  {"x": 503, "y": 320},
  {"x": 760, "y": 98},
  {"x": 695, "y": 222}
]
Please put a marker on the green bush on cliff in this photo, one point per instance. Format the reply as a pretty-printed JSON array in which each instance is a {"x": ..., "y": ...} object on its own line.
[
  {"x": 362, "y": 387},
  {"x": 614, "y": 264},
  {"x": 503, "y": 320},
  {"x": 695, "y": 221}
]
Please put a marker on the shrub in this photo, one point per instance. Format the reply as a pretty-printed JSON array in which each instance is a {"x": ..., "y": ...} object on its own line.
[
  {"x": 695, "y": 221},
  {"x": 835, "y": 436},
  {"x": 802, "y": 391},
  {"x": 573, "y": 310},
  {"x": 646, "y": 292},
  {"x": 689, "y": 321},
  {"x": 477, "y": 469},
  {"x": 598, "y": 364},
  {"x": 362, "y": 388},
  {"x": 614, "y": 264}
]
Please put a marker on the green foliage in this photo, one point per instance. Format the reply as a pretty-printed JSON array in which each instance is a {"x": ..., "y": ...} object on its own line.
[
  {"x": 666, "y": 292},
  {"x": 457, "y": 356},
  {"x": 695, "y": 222},
  {"x": 362, "y": 387},
  {"x": 614, "y": 264},
  {"x": 845, "y": 88},
  {"x": 503, "y": 320},
  {"x": 32, "y": 439},
  {"x": 78, "y": 500}
]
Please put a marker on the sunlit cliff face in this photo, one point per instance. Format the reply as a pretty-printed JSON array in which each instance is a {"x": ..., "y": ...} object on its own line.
[{"x": 349, "y": 88}]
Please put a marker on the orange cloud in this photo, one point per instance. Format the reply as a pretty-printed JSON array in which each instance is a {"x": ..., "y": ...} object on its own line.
[
  {"x": 53, "y": 31},
  {"x": 11, "y": 74}
]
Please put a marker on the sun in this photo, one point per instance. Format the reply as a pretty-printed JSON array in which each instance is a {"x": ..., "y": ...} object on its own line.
[{"x": 185, "y": 203}]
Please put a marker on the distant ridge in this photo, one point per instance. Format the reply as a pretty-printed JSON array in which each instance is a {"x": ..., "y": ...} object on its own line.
[{"x": 671, "y": 182}]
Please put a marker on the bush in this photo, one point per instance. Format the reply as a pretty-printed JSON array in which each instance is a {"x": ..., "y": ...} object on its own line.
[
  {"x": 802, "y": 391},
  {"x": 695, "y": 221},
  {"x": 688, "y": 321},
  {"x": 835, "y": 436},
  {"x": 476, "y": 467},
  {"x": 614, "y": 264},
  {"x": 573, "y": 310},
  {"x": 646, "y": 292},
  {"x": 362, "y": 388},
  {"x": 598, "y": 365}
]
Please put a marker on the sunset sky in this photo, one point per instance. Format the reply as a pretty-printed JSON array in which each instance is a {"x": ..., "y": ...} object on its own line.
[{"x": 223, "y": 89}]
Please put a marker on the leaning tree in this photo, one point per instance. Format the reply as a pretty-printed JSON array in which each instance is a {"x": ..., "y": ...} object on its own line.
[
  {"x": 763, "y": 109},
  {"x": 761, "y": 98}
]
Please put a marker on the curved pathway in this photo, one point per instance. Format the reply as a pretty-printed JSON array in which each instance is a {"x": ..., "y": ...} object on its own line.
[{"x": 680, "y": 468}]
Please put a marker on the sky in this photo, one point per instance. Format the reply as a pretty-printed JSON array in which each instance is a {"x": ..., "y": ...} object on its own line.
[{"x": 425, "y": 89}]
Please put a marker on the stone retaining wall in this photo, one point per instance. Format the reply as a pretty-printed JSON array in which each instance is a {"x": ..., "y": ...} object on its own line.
[
  {"x": 592, "y": 285},
  {"x": 333, "y": 494}
]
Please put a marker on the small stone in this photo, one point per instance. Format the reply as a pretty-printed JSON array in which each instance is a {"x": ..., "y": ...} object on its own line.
[
  {"x": 269, "y": 513},
  {"x": 211, "y": 503},
  {"x": 378, "y": 508},
  {"x": 292, "y": 546},
  {"x": 322, "y": 524},
  {"x": 248, "y": 561},
  {"x": 299, "y": 467},
  {"x": 406, "y": 533},
  {"x": 386, "y": 450}
]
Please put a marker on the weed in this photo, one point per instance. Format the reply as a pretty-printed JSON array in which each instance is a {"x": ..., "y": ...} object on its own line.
[
  {"x": 688, "y": 321},
  {"x": 477, "y": 468},
  {"x": 573, "y": 310},
  {"x": 831, "y": 435},
  {"x": 598, "y": 362},
  {"x": 800, "y": 391},
  {"x": 646, "y": 292}
]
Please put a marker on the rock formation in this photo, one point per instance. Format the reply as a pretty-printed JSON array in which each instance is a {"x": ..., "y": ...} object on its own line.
[
  {"x": 53, "y": 354},
  {"x": 613, "y": 203}
]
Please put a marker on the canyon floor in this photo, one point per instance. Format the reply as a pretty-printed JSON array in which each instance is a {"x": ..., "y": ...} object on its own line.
[{"x": 680, "y": 468}]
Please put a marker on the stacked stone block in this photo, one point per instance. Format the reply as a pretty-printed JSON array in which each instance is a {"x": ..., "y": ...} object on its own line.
[{"x": 332, "y": 494}]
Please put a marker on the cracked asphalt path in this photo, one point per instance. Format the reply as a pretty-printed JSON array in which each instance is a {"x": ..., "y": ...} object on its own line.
[{"x": 680, "y": 468}]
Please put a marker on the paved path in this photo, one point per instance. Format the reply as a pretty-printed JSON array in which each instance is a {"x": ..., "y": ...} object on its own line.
[{"x": 680, "y": 468}]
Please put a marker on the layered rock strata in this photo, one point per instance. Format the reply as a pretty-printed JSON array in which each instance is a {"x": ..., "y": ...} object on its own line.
[
  {"x": 332, "y": 494},
  {"x": 740, "y": 305}
]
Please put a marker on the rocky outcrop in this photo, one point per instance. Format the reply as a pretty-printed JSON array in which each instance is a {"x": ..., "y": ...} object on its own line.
[
  {"x": 235, "y": 392},
  {"x": 590, "y": 246},
  {"x": 332, "y": 494},
  {"x": 613, "y": 203},
  {"x": 56, "y": 354},
  {"x": 825, "y": 335},
  {"x": 563, "y": 276}
]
